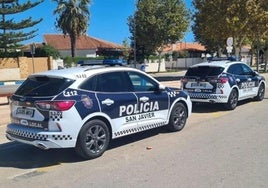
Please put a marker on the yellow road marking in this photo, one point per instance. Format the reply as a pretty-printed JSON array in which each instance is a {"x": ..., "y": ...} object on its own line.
[{"x": 47, "y": 168}]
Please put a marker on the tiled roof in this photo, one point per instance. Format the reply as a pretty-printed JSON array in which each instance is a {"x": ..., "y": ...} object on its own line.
[
  {"x": 180, "y": 46},
  {"x": 61, "y": 42}
]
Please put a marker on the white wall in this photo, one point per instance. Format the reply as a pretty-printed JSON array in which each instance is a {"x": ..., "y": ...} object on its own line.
[
  {"x": 183, "y": 62},
  {"x": 9, "y": 74},
  {"x": 151, "y": 67},
  {"x": 57, "y": 63}
]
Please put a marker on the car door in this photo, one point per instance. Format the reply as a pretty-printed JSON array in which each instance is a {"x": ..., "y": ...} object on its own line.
[
  {"x": 251, "y": 86},
  {"x": 117, "y": 100},
  {"x": 153, "y": 103},
  {"x": 242, "y": 79}
]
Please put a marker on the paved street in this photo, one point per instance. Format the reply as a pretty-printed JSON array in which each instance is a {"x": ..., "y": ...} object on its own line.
[{"x": 217, "y": 148}]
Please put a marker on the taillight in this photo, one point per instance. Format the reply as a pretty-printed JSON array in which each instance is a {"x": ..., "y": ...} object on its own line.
[
  {"x": 222, "y": 80},
  {"x": 54, "y": 105}
]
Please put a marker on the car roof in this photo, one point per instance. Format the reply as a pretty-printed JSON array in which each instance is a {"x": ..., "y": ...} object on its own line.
[
  {"x": 82, "y": 72},
  {"x": 223, "y": 64}
]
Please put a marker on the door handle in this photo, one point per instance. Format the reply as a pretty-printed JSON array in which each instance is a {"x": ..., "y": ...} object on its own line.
[
  {"x": 144, "y": 99},
  {"x": 108, "y": 102},
  {"x": 249, "y": 79}
]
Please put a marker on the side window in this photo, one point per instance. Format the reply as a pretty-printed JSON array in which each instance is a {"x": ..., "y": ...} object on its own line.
[
  {"x": 108, "y": 82},
  {"x": 89, "y": 84},
  {"x": 113, "y": 82},
  {"x": 141, "y": 82},
  {"x": 235, "y": 69},
  {"x": 246, "y": 70}
]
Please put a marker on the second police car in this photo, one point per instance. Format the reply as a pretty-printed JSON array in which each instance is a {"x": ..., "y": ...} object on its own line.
[
  {"x": 85, "y": 107},
  {"x": 223, "y": 81}
]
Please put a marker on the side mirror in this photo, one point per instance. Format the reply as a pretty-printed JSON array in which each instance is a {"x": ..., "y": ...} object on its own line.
[
  {"x": 255, "y": 73},
  {"x": 161, "y": 87}
]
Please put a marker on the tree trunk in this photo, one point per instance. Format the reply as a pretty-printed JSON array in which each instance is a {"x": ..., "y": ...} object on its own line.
[
  {"x": 258, "y": 54},
  {"x": 265, "y": 60},
  {"x": 236, "y": 48},
  {"x": 159, "y": 60},
  {"x": 73, "y": 46}
]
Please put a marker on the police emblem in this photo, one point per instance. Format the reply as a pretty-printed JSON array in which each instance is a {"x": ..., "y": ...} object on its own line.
[{"x": 87, "y": 101}]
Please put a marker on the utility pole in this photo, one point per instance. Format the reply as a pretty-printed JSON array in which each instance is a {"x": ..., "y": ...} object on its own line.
[
  {"x": 134, "y": 37},
  {"x": 33, "y": 52}
]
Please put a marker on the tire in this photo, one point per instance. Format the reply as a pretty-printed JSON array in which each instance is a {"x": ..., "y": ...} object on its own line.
[
  {"x": 93, "y": 139},
  {"x": 261, "y": 93},
  {"x": 232, "y": 100},
  {"x": 178, "y": 117}
]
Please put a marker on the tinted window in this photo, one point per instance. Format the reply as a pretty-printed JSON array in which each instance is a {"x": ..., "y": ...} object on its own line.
[
  {"x": 90, "y": 84},
  {"x": 43, "y": 86},
  {"x": 108, "y": 82},
  {"x": 235, "y": 69},
  {"x": 246, "y": 70},
  {"x": 203, "y": 71},
  {"x": 141, "y": 82}
]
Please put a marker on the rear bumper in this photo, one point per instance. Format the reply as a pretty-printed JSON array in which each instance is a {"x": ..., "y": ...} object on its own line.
[
  {"x": 208, "y": 98},
  {"x": 39, "y": 138}
]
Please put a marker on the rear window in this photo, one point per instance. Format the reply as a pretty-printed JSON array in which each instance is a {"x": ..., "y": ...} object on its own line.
[
  {"x": 43, "y": 86},
  {"x": 204, "y": 71}
]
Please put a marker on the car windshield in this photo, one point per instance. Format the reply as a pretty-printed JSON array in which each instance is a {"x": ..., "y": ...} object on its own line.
[
  {"x": 203, "y": 71},
  {"x": 43, "y": 86}
]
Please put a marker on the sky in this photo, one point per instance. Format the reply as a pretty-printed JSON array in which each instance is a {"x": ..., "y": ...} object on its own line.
[{"x": 108, "y": 20}]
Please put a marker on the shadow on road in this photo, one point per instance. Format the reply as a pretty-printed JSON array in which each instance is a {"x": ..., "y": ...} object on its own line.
[
  {"x": 24, "y": 156},
  {"x": 207, "y": 108},
  {"x": 211, "y": 108},
  {"x": 17, "y": 155}
]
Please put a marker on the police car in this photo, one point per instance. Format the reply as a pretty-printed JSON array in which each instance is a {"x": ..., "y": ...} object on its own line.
[
  {"x": 85, "y": 107},
  {"x": 223, "y": 81}
]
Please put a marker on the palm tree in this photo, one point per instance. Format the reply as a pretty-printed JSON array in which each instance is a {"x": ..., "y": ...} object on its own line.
[{"x": 73, "y": 18}]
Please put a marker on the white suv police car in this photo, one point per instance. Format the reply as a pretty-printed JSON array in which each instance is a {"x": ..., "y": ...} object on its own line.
[
  {"x": 223, "y": 81},
  {"x": 85, "y": 107}
]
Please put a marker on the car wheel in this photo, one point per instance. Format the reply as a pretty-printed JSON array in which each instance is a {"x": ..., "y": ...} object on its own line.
[
  {"x": 232, "y": 100},
  {"x": 261, "y": 93},
  {"x": 93, "y": 139},
  {"x": 178, "y": 117}
]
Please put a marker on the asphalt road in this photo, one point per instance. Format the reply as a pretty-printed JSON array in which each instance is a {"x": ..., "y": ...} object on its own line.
[{"x": 217, "y": 148}]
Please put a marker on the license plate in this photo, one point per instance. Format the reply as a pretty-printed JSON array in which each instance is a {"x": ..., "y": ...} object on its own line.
[
  {"x": 25, "y": 111},
  {"x": 203, "y": 85}
]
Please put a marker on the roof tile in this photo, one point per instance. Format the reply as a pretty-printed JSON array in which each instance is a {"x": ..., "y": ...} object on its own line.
[
  {"x": 180, "y": 46},
  {"x": 62, "y": 42}
]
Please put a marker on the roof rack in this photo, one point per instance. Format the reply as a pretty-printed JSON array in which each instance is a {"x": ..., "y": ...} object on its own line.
[{"x": 222, "y": 59}]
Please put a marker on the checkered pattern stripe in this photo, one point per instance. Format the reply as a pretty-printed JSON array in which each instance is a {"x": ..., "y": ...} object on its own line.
[
  {"x": 35, "y": 136},
  {"x": 172, "y": 94},
  {"x": 27, "y": 135},
  {"x": 206, "y": 96},
  {"x": 138, "y": 129},
  {"x": 202, "y": 96},
  {"x": 62, "y": 137},
  {"x": 220, "y": 86},
  {"x": 55, "y": 117}
]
